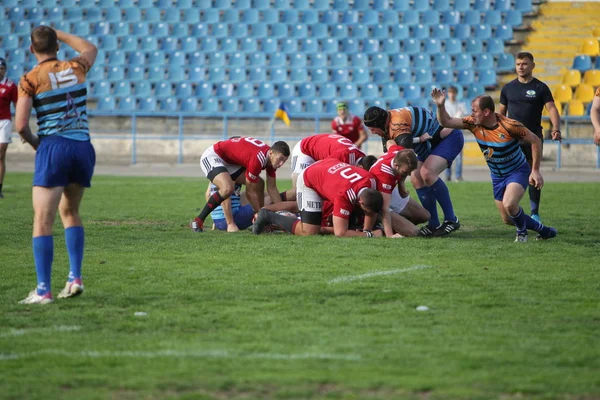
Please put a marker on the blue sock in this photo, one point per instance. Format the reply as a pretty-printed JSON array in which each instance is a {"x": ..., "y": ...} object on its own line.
[
  {"x": 521, "y": 221},
  {"x": 533, "y": 225},
  {"x": 74, "y": 238},
  {"x": 428, "y": 201},
  {"x": 43, "y": 255},
  {"x": 442, "y": 195}
]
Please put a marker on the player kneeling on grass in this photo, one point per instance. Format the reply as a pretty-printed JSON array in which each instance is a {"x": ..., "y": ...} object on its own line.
[
  {"x": 400, "y": 213},
  {"x": 242, "y": 211},
  {"x": 499, "y": 137},
  {"x": 346, "y": 186},
  {"x": 224, "y": 165}
]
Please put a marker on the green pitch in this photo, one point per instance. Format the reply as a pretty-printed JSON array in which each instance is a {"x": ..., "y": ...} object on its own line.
[{"x": 280, "y": 317}]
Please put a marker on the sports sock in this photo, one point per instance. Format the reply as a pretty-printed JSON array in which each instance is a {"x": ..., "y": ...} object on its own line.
[
  {"x": 442, "y": 195},
  {"x": 43, "y": 255},
  {"x": 74, "y": 238},
  {"x": 287, "y": 223},
  {"x": 428, "y": 201},
  {"x": 520, "y": 221},
  {"x": 213, "y": 202},
  {"x": 535, "y": 196},
  {"x": 283, "y": 196},
  {"x": 0, "y": 187}
]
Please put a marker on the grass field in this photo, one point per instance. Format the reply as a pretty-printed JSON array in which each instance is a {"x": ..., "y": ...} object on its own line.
[{"x": 282, "y": 317}]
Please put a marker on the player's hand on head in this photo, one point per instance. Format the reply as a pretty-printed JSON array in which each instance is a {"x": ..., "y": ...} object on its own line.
[{"x": 438, "y": 96}]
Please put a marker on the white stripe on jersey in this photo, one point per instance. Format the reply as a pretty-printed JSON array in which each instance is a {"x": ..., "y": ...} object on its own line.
[
  {"x": 262, "y": 158},
  {"x": 387, "y": 169},
  {"x": 351, "y": 195}
]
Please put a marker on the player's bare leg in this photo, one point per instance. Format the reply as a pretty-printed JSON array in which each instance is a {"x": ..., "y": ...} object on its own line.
[
  {"x": 3, "y": 147},
  {"x": 427, "y": 200},
  {"x": 290, "y": 194},
  {"x": 415, "y": 213},
  {"x": 225, "y": 188},
  {"x": 403, "y": 226},
  {"x": 74, "y": 238}
]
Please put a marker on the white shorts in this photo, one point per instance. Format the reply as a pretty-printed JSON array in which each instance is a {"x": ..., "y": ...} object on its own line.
[
  {"x": 300, "y": 161},
  {"x": 308, "y": 200},
  {"x": 398, "y": 203},
  {"x": 212, "y": 164},
  {"x": 5, "y": 131}
]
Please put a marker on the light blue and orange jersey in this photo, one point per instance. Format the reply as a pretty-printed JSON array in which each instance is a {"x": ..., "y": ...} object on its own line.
[
  {"x": 59, "y": 93},
  {"x": 415, "y": 121},
  {"x": 500, "y": 144},
  {"x": 218, "y": 213}
]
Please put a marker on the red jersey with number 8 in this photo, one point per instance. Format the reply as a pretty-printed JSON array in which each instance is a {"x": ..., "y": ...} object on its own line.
[
  {"x": 339, "y": 183},
  {"x": 247, "y": 152}
]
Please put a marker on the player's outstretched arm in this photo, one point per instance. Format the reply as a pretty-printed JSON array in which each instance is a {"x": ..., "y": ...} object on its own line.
[
  {"x": 595, "y": 116},
  {"x": 22, "y": 115},
  {"x": 86, "y": 49},
  {"x": 439, "y": 98},
  {"x": 386, "y": 216},
  {"x": 272, "y": 190}
]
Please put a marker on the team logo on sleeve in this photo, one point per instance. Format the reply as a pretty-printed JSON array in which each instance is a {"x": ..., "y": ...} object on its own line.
[{"x": 344, "y": 212}]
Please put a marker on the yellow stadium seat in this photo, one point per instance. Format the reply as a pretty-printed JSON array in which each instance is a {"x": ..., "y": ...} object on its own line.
[
  {"x": 596, "y": 32},
  {"x": 592, "y": 77},
  {"x": 562, "y": 93},
  {"x": 590, "y": 47},
  {"x": 572, "y": 78},
  {"x": 584, "y": 93},
  {"x": 575, "y": 108}
]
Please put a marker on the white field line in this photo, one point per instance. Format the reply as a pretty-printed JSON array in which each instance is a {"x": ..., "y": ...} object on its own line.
[
  {"x": 59, "y": 328},
  {"x": 350, "y": 278},
  {"x": 179, "y": 354}
]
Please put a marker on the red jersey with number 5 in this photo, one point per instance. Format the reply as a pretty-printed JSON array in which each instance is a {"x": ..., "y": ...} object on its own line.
[
  {"x": 247, "y": 152},
  {"x": 339, "y": 183},
  {"x": 323, "y": 146},
  {"x": 383, "y": 170}
]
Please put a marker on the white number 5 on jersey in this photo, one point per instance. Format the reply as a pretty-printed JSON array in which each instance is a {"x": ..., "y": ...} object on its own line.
[{"x": 62, "y": 79}]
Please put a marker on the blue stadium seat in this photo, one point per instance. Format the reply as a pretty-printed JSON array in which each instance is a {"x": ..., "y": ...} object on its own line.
[
  {"x": 430, "y": 17},
  {"x": 168, "y": 44},
  {"x": 331, "y": 106},
  {"x": 481, "y": 5},
  {"x": 462, "y": 31},
  {"x": 473, "y": 46},
  {"x": 463, "y": 61},
  {"x": 357, "y": 106},
  {"x": 142, "y": 89},
  {"x": 320, "y": 31},
  {"x": 441, "y": 31},
  {"x": 484, "y": 61},
  {"x": 204, "y": 90},
  {"x": 116, "y": 57},
  {"x": 471, "y": 17},
  {"x": 299, "y": 31},
  {"x": 279, "y": 30},
  {"x": 288, "y": 46},
  {"x": 465, "y": 77},
  {"x": 369, "y": 91},
  {"x": 106, "y": 104},
  {"x": 231, "y": 105},
  {"x": 96, "y": 73},
  {"x": 410, "y": 17},
  {"x": 216, "y": 74},
  {"x": 225, "y": 90},
  {"x": 245, "y": 90},
  {"x": 258, "y": 30},
  {"x": 379, "y": 5},
  {"x": 210, "y": 16},
  {"x": 370, "y": 17},
  {"x": 228, "y": 45},
  {"x": 390, "y": 46},
  {"x": 513, "y": 18},
  {"x": 37, "y": 13},
  {"x": 380, "y": 31},
  {"x": 401, "y": 76},
  {"x": 268, "y": 45},
  {"x": 320, "y": 5},
  {"x": 380, "y": 60},
  {"x": 196, "y": 74},
  {"x": 329, "y": 46},
  {"x": 189, "y": 45},
  {"x": 294, "y": 107},
  {"x": 160, "y": 3},
  {"x": 524, "y": 6},
  {"x": 411, "y": 92},
  {"x": 309, "y": 17},
  {"x": 327, "y": 91},
  {"x": 349, "y": 17},
  {"x": 451, "y": 17},
  {"x": 266, "y": 90},
  {"x": 191, "y": 16},
  {"x": 237, "y": 75},
  {"x": 504, "y": 32},
  {"x": 156, "y": 57},
  {"x": 148, "y": 104},
  {"x": 151, "y": 15},
  {"x": 140, "y": 29},
  {"x": 487, "y": 77},
  {"x": 495, "y": 46},
  {"x": 269, "y": 16},
  {"x": 22, "y": 28},
  {"x": 210, "y": 105},
  {"x": 200, "y": 31},
  {"x": 482, "y": 32},
  {"x": 129, "y": 43},
  {"x": 172, "y": 15},
  {"x": 360, "y": 75},
  {"x": 156, "y": 74},
  {"x": 290, "y": 17},
  {"x": 93, "y": 15},
  {"x": 182, "y": 4},
  {"x": 147, "y": 43},
  {"x": 250, "y": 105},
  {"x": 397, "y": 103},
  {"x": 183, "y": 90},
  {"x": 423, "y": 76},
  {"x": 359, "y": 60},
  {"x": 442, "y": 61},
  {"x": 329, "y": 17},
  {"x": 319, "y": 75},
  {"x": 443, "y": 77},
  {"x": 306, "y": 90},
  {"x": 16, "y": 14},
  {"x": 237, "y": 60},
  {"x": 309, "y": 45},
  {"x": 338, "y": 60},
  {"x": 383, "y": 75},
  {"x": 358, "y": 31},
  {"x": 81, "y": 28},
  {"x": 257, "y": 59},
  {"x": 257, "y": 74},
  {"x": 340, "y": 5},
  {"x": 390, "y": 18},
  {"x": 441, "y": 5},
  {"x": 493, "y": 17},
  {"x": 122, "y": 89},
  {"x": 112, "y": 14},
  {"x": 189, "y": 105},
  {"x": 208, "y": 44},
  {"x": 115, "y": 74},
  {"x": 583, "y": 63},
  {"x": 298, "y": 60},
  {"x": 230, "y": 16},
  {"x": 100, "y": 89},
  {"x": 462, "y": 5},
  {"x": 120, "y": 28},
  {"x": 242, "y": 4},
  {"x": 282, "y": 4},
  {"x": 278, "y": 75},
  {"x": 219, "y": 30},
  {"x": 411, "y": 46},
  {"x": 169, "y": 104},
  {"x": 314, "y": 106},
  {"x": 339, "y": 75},
  {"x": 505, "y": 62},
  {"x": 270, "y": 105},
  {"x": 250, "y": 16},
  {"x": 433, "y": 46},
  {"x": 317, "y": 60},
  {"x": 370, "y": 46},
  {"x": 175, "y": 74},
  {"x": 286, "y": 91},
  {"x": 17, "y": 56},
  {"x": 249, "y": 45}
]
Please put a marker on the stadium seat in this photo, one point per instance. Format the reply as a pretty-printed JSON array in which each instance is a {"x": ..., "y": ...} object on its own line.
[
  {"x": 441, "y": 5},
  {"x": 169, "y": 104},
  {"x": 465, "y": 77},
  {"x": 314, "y": 106},
  {"x": 420, "y": 31},
  {"x": 309, "y": 17},
  {"x": 451, "y": 17},
  {"x": 505, "y": 62},
  {"x": 277, "y": 60},
  {"x": 400, "y": 60},
  {"x": 123, "y": 90},
  {"x": 482, "y": 32},
  {"x": 513, "y": 18},
  {"x": 267, "y": 46},
  {"x": 571, "y": 78},
  {"x": 462, "y": 31},
  {"x": 204, "y": 90},
  {"x": 216, "y": 74},
  {"x": 327, "y": 91},
  {"x": 473, "y": 46},
  {"x": 369, "y": 91},
  {"x": 481, "y": 5},
  {"x": 390, "y": 91},
  {"x": 177, "y": 59},
  {"x": 390, "y": 18},
  {"x": 484, "y": 61},
  {"x": 453, "y": 46},
  {"x": 216, "y": 59},
  {"x": 421, "y": 61},
  {"x": 257, "y": 74},
  {"x": 432, "y": 46},
  {"x": 401, "y": 76},
  {"x": 359, "y": 60},
  {"x": 329, "y": 17},
  {"x": 219, "y": 30},
  {"x": 245, "y": 90},
  {"x": 320, "y": 31},
  {"x": 398, "y": 103},
  {"x": 156, "y": 74},
  {"x": 306, "y": 90},
  {"x": 495, "y": 46},
  {"x": 592, "y": 77},
  {"x": 562, "y": 93},
  {"x": 410, "y": 17},
  {"x": 390, "y": 46},
  {"x": 575, "y": 108},
  {"x": 225, "y": 90},
  {"x": 350, "y": 17},
  {"x": 290, "y": 17},
  {"x": 338, "y": 60},
  {"x": 269, "y": 16},
  {"x": 299, "y": 31},
  {"x": 411, "y": 92},
  {"x": 487, "y": 77},
  {"x": 256, "y": 59},
  {"x": 106, "y": 104},
  {"x": 357, "y": 106},
  {"x": 196, "y": 74},
  {"x": 380, "y": 31},
  {"x": 442, "y": 61},
  {"x": 423, "y": 76},
  {"x": 339, "y": 75},
  {"x": 441, "y": 31},
  {"x": 411, "y": 46},
  {"x": 309, "y": 45},
  {"x": 348, "y": 90},
  {"x": 493, "y": 17},
  {"x": 135, "y": 74},
  {"x": 210, "y": 105},
  {"x": 294, "y": 107},
  {"x": 100, "y": 89},
  {"x": 471, "y": 17},
  {"x": 582, "y": 63},
  {"x": 142, "y": 89},
  {"x": 329, "y": 46},
  {"x": 163, "y": 89},
  {"x": 590, "y": 47},
  {"x": 381, "y": 60},
  {"x": 286, "y": 90},
  {"x": 584, "y": 93},
  {"x": 209, "y": 16},
  {"x": 430, "y": 17},
  {"x": 524, "y": 6},
  {"x": 250, "y": 105},
  {"x": 183, "y": 90},
  {"x": 237, "y": 75},
  {"x": 189, "y": 105},
  {"x": 443, "y": 77},
  {"x": 400, "y": 32},
  {"x": 503, "y": 32},
  {"x": 319, "y": 75}
]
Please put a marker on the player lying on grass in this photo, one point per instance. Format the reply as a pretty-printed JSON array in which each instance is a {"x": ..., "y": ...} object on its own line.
[
  {"x": 346, "y": 186},
  {"x": 417, "y": 128},
  {"x": 400, "y": 213},
  {"x": 240, "y": 160},
  {"x": 499, "y": 137},
  {"x": 241, "y": 210},
  {"x": 319, "y": 147}
]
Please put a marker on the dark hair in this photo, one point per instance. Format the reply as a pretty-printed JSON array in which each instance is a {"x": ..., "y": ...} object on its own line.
[
  {"x": 376, "y": 117},
  {"x": 44, "y": 40},
  {"x": 406, "y": 157},
  {"x": 281, "y": 147},
  {"x": 524, "y": 54},
  {"x": 2, "y": 62},
  {"x": 367, "y": 162},
  {"x": 485, "y": 102},
  {"x": 372, "y": 200},
  {"x": 453, "y": 89}
]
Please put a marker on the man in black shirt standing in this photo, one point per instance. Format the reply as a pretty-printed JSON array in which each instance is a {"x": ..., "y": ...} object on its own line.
[{"x": 524, "y": 99}]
